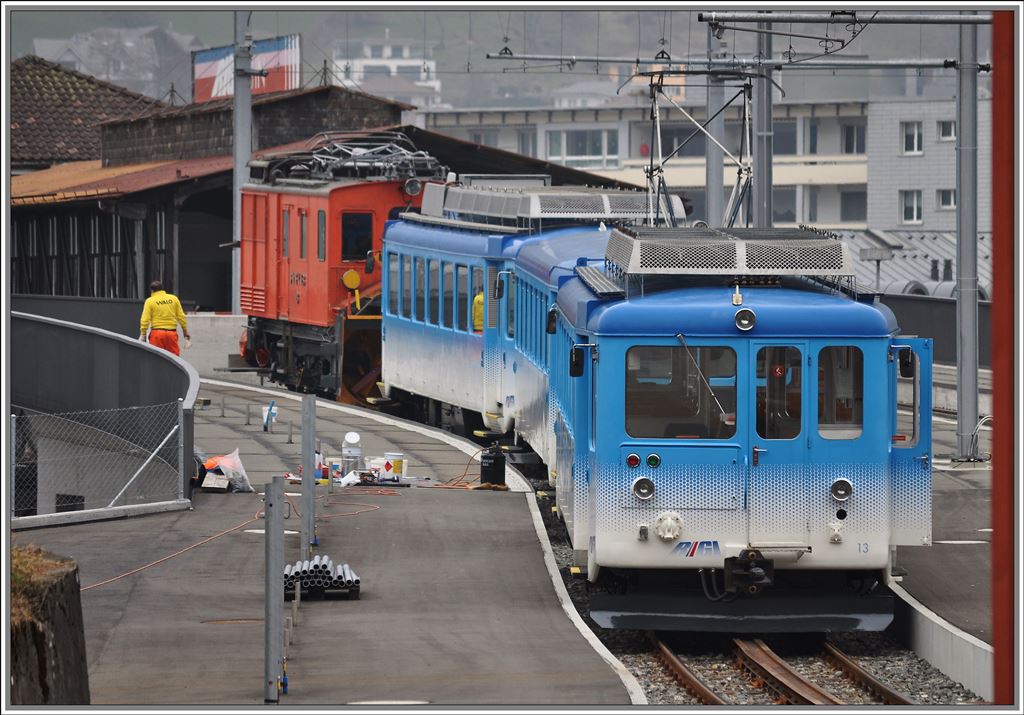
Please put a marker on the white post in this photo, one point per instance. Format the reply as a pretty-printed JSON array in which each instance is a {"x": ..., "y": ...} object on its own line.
[{"x": 273, "y": 598}]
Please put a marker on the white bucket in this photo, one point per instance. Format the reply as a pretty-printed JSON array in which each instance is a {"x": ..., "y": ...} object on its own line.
[{"x": 394, "y": 464}]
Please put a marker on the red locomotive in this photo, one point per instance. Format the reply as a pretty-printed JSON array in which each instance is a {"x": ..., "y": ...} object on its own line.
[{"x": 312, "y": 224}]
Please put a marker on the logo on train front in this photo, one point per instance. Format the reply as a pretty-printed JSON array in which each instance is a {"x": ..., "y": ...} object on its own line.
[{"x": 689, "y": 549}]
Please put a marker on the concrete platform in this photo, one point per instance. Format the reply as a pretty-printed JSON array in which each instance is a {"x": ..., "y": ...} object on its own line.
[
  {"x": 457, "y": 605},
  {"x": 953, "y": 576}
]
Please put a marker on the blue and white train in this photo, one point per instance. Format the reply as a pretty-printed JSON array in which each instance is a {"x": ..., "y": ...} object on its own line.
[{"x": 738, "y": 440}]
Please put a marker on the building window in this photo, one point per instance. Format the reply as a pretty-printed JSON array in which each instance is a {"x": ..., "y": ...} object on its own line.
[
  {"x": 527, "y": 142},
  {"x": 910, "y": 201},
  {"x": 853, "y": 206},
  {"x": 697, "y": 200},
  {"x": 376, "y": 50},
  {"x": 784, "y": 136},
  {"x": 584, "y": 148},
  {"x": 784, "y": 204},
  {"x": 812, "y": 137},
  {"x": 946, "y": 199},
  {"x": 672, "y": 137},
  {"x": 854, "y": 139},
  {"x": 487, "y": 138},
  {"x": 911, "y": 132},
  {"x": 947, "y": 130},
  {"x": 811, "y": 202},
  {"x": 356, "y": 235}
]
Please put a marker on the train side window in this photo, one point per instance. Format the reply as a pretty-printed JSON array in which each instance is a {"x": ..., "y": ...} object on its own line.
[
  {"x": 908, "y": 392},
  {"x": 779, "y": 397},
  {"x": 433, "y": 290},
  {"x": 285, "y": 229},
  {"x": 302, "y": 233},
  {"x": 447, "y": 293},
  {"x": 477, "y": 306},
  {"x": 406, "y": 287},
  {"x": 419, "y": 289},
  {"x": 321, "y": 235},
  {"x": 674, "y": 392},
  {"x": 840, "y": 392},
  {"x": 392, "y": 284},
  {"x": 510, "y": 301},
  {"x": 462, "y": 298},
  {"x": 356, "y": 235}
]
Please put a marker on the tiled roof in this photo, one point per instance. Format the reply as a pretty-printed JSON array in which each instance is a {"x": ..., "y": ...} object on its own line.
[{"x": 56, "y": 112}]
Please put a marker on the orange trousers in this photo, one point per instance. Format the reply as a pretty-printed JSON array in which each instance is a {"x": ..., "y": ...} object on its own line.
[{"x": 166, "y": 339}]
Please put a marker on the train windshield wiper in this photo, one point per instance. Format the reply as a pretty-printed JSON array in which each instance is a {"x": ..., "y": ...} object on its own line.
[{"x": 681, "y": 339}]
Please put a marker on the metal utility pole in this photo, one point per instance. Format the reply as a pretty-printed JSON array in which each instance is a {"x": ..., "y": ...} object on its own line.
[
  {"x": 308, "y": 474},
  {"x": 273, "y": 584},
  {"x": 967, "y": 243},
  {"x": 242, "y": 146},
  {"x": 763, "y": 131},
  {"x": 714, "y": 200}
]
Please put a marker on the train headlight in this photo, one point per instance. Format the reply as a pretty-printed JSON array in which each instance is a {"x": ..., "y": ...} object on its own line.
[
  {"x": 413, "y": 187},
  {"x": 745, "y": 319},
  {"x": 841, "y": 489},
  {"x": 643, "y": 488}
]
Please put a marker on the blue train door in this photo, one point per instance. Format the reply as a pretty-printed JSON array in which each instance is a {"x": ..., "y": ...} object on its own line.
[
  {"x": 777, "y": 442},
  {"x": 493, "y": 340},
  {"x": 911, "y": 465}
]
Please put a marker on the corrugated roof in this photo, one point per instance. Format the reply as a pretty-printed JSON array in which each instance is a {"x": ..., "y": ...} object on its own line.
[{"x": 56, "y": 112}]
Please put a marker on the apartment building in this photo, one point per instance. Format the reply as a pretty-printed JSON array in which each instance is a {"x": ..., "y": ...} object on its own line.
[
  {"x": 399, "y": 69},
  {"x": 845, "y": 155}
]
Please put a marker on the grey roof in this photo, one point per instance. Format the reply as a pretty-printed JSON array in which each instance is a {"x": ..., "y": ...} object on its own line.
[{"x": 913, "y": 254}]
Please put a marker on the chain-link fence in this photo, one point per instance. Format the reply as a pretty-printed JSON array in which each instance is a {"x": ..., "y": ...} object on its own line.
[{"x": 75, "y": 461}]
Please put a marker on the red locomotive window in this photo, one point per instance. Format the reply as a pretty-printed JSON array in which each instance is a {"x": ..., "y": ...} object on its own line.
[
  {"x": 302, "y": 233},
  {"x": 321, "y": 235},
  {"x": 356, "y": 235},
  {"x": 285, "y": 215}
]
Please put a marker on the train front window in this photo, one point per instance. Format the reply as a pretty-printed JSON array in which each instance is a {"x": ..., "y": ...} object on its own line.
[
  {"x": 778, "y": 392},
  {"x": 356, "y": 235},
  {"x": 840, "y": 392},
  {"x": 680, "y": 392}
]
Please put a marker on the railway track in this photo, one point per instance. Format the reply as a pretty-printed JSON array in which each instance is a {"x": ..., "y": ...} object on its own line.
[{"x": 770, "y": 672}]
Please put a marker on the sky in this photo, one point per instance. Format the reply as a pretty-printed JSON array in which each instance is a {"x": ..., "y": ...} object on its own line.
[{"x": 461, "y": 37}]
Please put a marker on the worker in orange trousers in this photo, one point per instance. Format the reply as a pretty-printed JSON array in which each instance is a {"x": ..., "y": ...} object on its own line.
[{"x": 161, "y": 315}]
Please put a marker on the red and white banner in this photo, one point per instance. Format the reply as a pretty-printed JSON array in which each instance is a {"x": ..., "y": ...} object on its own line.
[{"x": 213, "y": 74}]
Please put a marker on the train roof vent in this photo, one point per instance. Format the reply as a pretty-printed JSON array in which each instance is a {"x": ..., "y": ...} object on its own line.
[
  {"x": 517, "y": 204},
  {"x": 728, "y": 251}
]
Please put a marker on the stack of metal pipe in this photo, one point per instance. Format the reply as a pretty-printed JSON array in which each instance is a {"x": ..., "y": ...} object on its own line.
[{"x": 319, "y": 572}]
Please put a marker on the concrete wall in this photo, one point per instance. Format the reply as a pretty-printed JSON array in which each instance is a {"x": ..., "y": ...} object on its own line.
[
  {"x": 118, "y": 315},
  {"x": 890, "y": 171},
  {"x": 48, "y": 659},
  {"x": 935, "y": 318}
]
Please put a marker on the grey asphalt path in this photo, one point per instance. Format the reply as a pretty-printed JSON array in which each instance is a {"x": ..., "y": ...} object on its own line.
[
  {"x": 457, "y": 607},
  {"x": 955, "y": 579}
]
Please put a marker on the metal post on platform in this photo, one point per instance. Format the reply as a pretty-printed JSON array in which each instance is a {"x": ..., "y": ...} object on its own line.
[
  {"x": 291, "y": 424},
  {"x": 248, "y": 419},
  {"x": 14, "y": 464},
  {"x": 181, "y": 449},
  {"x": 222, "y": 405},
  {"x": 967, "y": 244},
  {"x": 308, "y": 466},
  {"x": 273, "y": 601}
]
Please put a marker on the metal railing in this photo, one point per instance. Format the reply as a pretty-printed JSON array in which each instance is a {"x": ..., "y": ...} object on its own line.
[
  {"x": 101, "y": 425},
  {"x": 96, "y": 460}
]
